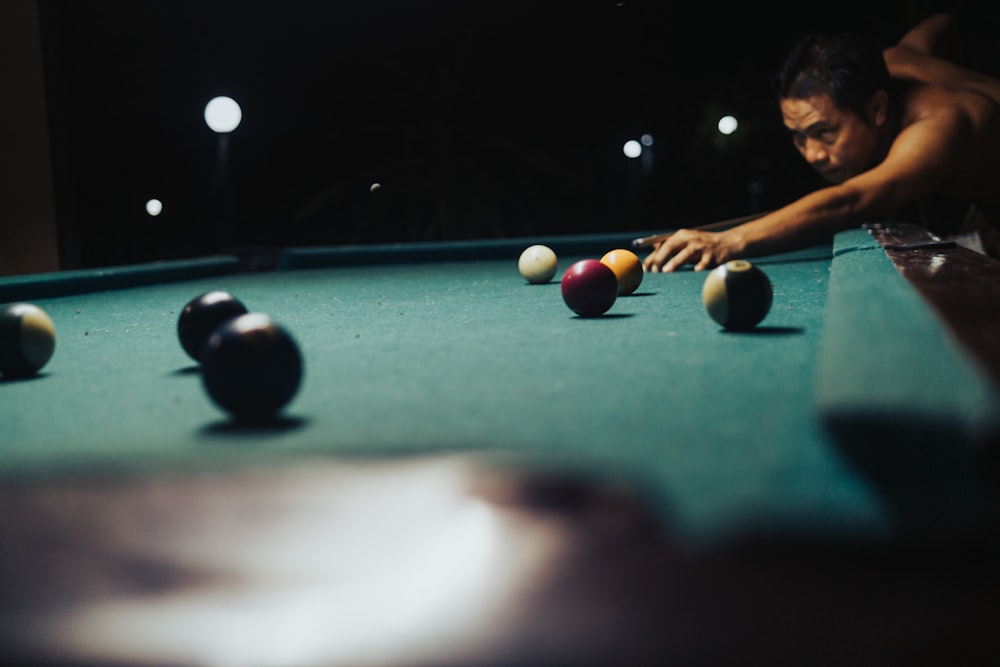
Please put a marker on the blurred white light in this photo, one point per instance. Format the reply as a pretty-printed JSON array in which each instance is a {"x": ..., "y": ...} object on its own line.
[
  {"x": 646, "y": 139},
  {"x": 223, "y": 114},
  {"x": 727, "y": 125},
  {"x": 154, "y": 207},
  {"x": 632, "y": 148}
]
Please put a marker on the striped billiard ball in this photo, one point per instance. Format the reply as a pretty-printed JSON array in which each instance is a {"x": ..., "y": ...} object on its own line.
[
  {"x": 27, "y": 339},
  {"x": 737, "y": 295}
]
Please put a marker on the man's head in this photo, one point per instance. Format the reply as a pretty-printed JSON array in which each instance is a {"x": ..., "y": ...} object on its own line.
[{"x": 833, "y": 93}]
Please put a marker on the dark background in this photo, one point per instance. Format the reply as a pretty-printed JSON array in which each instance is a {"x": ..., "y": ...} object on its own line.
[{"x": 478, "y": 119}]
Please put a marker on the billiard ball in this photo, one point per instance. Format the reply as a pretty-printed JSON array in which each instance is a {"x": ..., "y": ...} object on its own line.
[
  {"x": 737, "y": 295},
  {"x": 538, "y": 264},
  {"x": 202, "y": 315},
  {"x": 251, "y": 367},
  {"x": 627, "y": 268},
  {"x": 27, "y": 339},
  {"x": 589, "y": 287}
]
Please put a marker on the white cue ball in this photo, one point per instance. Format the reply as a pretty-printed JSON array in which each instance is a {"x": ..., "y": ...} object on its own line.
[{"x": 538, "y": 264}]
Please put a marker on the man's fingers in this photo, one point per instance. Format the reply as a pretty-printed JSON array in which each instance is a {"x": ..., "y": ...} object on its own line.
[
  {"x": 679, "y": 259},
  {"x": 684, "y": 247},
  {"x": 707, "y": 261},
  {"x": 654, "y": 261}
]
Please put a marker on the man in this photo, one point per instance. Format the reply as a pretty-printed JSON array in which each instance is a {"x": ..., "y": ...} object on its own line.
[{"x": 884, "y": 130}]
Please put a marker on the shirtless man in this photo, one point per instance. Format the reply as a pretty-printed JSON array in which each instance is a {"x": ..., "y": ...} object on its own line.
[{"x": 933, "y": 127}]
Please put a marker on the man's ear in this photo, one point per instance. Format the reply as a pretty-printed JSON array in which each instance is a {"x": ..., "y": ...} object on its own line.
[{"x": 878, "y": 108}]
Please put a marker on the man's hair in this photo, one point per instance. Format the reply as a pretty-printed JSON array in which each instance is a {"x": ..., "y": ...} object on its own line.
[{"x": 847, "y": 67}]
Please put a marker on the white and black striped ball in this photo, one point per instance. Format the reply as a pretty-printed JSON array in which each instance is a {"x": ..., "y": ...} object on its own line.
[
  {"x": 737, "y": 295},
  {"x": 27, "y": 339}
]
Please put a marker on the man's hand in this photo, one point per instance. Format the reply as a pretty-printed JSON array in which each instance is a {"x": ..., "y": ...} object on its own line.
[{"x": 705, "y": 250}]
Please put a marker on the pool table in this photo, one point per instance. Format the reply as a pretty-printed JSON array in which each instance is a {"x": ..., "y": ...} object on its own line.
[{"x": 472, "y": 474}]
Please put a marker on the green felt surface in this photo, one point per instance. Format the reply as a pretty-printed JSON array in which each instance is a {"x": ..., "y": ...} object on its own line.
[
  {"x": 61, "y": 283},
  {"x": 396, "y": 253},
  {"x": 886, "y": 355},
  {"x": 908, "y": 407},
  {"x": 721, "y": 429}
]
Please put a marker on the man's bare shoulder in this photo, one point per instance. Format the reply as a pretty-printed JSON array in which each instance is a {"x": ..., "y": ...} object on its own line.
[
  {"x": 965, "y": 124},
  {"x": 979, "y": 106}
]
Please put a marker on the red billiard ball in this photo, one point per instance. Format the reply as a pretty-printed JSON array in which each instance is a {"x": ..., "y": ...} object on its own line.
[
  {"x": 737, "y": 295},
  {"x": 251, "y": 367},
  {"x": 202, "y": 315},
  {"x": 589, "y": 287}
]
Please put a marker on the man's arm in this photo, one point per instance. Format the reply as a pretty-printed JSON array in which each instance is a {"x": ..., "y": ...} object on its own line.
[
  {"x": 931, "y": 53},
  {"x": 807, "y": 220},
  {"x": 921, "y": 158},
  {"x": 934, "y": 36}
]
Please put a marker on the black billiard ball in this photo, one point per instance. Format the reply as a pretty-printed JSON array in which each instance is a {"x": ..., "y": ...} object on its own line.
[
  {"x": 251, "y": 367},
  {"x": 589, "y": 287},
  {"x": 737, "y": 295},
  {"x": 27, "y": 339},
  {"x": 202, "y": 315}
]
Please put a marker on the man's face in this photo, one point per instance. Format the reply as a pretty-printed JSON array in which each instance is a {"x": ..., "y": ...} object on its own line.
[{"x": 835, "y": 142}]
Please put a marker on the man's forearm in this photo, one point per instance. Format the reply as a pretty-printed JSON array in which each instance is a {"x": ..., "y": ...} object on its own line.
[{"x": 812, "y": 219}]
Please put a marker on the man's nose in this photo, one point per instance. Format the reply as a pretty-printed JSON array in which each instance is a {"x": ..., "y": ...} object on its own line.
[{"x": 815, "y": 152}]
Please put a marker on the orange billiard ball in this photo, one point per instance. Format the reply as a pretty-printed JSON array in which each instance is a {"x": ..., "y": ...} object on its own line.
[{"x": 627, "y": 268}]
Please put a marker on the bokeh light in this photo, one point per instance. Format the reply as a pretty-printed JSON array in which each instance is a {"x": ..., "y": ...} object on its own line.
[
  {"x": 728, "y": 125},
  {"x": 223, "y": 114}
]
